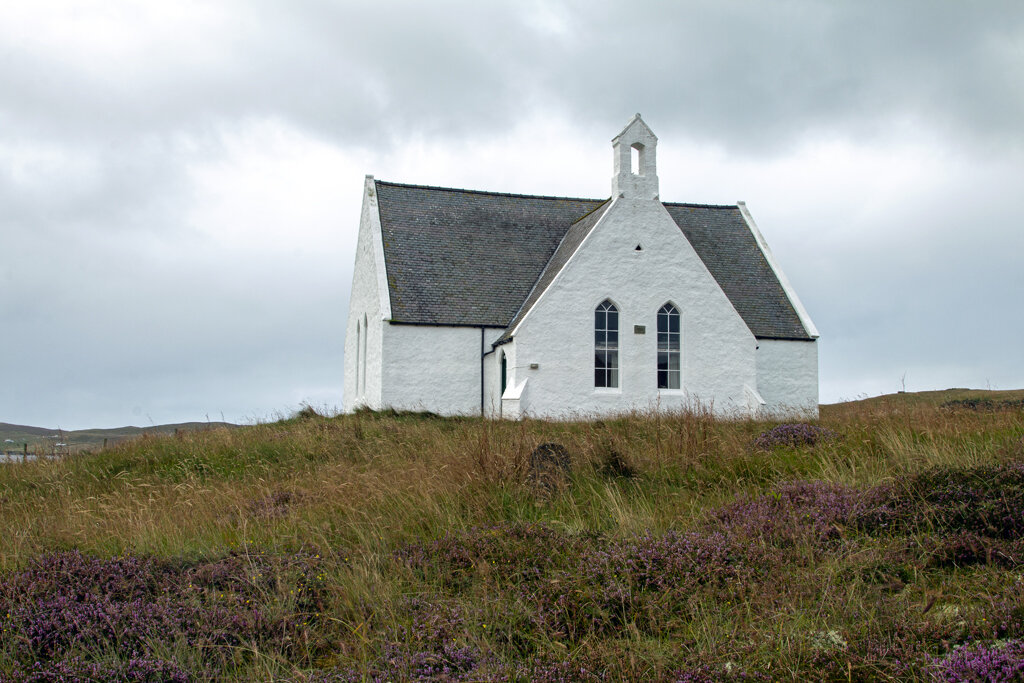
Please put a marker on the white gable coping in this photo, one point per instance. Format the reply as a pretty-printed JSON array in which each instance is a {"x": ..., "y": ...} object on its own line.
[
  {"x": 638, "y": 120},
  {"x": 798, "y": 306},
  {"x": 370, "y": 191}
]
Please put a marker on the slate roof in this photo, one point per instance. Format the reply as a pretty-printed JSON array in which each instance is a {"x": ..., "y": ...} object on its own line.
[
  {"x": 573, "y": 238},
  {"x": 460, "y": 257},
  {"x": 481, "y": 259},
  {"x": 722, "y": 239}
]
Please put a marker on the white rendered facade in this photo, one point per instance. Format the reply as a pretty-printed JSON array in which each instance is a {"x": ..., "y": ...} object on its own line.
[
  {"x": 557, "y": 335},
  {"x": 368, "y": 310},
  {"x": 549, "y": 355}
]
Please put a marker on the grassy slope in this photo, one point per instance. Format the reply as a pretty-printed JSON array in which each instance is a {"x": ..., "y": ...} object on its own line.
[
  {"x": 929, "y": 398},
  {"x": 345, "y": 511}
]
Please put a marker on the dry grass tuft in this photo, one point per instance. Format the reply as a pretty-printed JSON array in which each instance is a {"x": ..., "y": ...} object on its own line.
[{"x": 420, "y": 530}]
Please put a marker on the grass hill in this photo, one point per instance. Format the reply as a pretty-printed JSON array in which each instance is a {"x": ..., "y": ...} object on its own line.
[
  {"x": 883, "y": 542},
  {"x": 948, "y": 398}
]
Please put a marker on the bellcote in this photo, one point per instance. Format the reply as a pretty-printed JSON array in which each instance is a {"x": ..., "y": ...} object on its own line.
[{"x": 636, "y": 175}]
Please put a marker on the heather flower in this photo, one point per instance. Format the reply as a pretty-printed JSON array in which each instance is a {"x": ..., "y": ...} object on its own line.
[
  {"x": 430, "y": 648},
  {"x": 991, "y": 662},
  {"x": 798, "y": 510},
  {"x": 792, "y": 435},
  {"x": 985, "y": 500},
  {"x": 715, "y": 674},
  {"x": 505, "y": 552},
  {"x": 65, "y": 604},
  {"x": 135, "y": 670}
]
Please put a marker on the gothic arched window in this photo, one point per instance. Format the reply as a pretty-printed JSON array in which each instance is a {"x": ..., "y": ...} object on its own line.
[
  {"x": 606, "y": 345},
  {"x": 668, "y": 347}
]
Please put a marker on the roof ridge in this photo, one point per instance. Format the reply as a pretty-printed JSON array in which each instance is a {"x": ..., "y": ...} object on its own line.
[
  {"x": 585, "y": 216},
  {"x": 488, "y": 192},
  {"x": 696, "y": 205}
]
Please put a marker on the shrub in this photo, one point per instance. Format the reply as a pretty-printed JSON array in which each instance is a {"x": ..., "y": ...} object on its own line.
[
  {"x": 984, "y": 404},
  {"x": 135, "y": 670},
  {"x": 793, "y": 435},
  {"x": 990, "y": 662},
  {"x": 793, "y": 512},
  {"x": 985, "y": 500},
  {"x": 68, "y": 605}
]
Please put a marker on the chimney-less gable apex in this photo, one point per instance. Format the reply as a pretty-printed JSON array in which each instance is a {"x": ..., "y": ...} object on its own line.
[{"x": 635, "y": 153}]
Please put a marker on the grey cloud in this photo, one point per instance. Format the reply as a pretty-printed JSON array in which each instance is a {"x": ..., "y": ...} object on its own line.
[
  {"x": 738, "y": 73},
  {"x": 763, "y": 74},
  {"x": 127, "y": 307},
  {"x": 135, "y": 329}
]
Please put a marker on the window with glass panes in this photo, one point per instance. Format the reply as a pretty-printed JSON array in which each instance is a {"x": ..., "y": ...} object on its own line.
[
  {"x": 668, "y": 347},
  {"x": 606, "y": 345}
]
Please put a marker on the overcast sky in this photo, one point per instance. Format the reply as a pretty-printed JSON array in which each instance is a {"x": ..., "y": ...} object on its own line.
[{"x": 180, "y": 181}]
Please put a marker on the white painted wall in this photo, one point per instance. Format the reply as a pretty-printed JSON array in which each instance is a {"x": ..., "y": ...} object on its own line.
[
  {"x": 718, "y": 349},
  {"x": 435, "y": 368},
  {"x": 509, "y": 406},
  {"x": 369, "y": 300},
  {"x": 492, "y": 397},
  {"x": 625, "y": 183},
  {"x": 406, "y": 367},
  {"x": 787, "y": 378}
]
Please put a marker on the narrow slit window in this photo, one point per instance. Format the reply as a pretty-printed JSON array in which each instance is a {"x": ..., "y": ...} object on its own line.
[
  {"x": 365, "y": 334},
  {"x": 606, "y": 345},
  {"x": 359, "y": 349},
  {"x": 504, "y": 373},
  {"x": 668, "y": 347}
]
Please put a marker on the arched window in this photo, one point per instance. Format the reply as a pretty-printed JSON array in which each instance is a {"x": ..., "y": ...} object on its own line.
[
  {"x": 668, "y": 347},
  {"x": 365, "y": 335},
  {"x": 606, "y": 345},
  {"x": 359, "y": 350},
  {"x": 635, "y": 152}
]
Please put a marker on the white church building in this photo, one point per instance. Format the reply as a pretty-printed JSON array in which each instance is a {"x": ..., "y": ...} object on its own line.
[{"x": 468, "y": 303}]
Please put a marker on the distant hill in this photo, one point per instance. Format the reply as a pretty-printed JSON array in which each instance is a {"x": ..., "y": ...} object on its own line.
[
  {"x": 939, "y": 397},
  {"x": 914, "y": 402},
  {"x": 42, "y": 439}
]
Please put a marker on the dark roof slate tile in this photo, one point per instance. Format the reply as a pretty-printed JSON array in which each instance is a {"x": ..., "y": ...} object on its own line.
[
  {"x": 459, "y": 257},
  {"x": 574, "y": 236},
  {"x": 722, "y": 239},
  {"x": 462, "y": 257}
]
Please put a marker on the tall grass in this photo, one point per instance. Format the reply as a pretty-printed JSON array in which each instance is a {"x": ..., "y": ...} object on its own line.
[{"x": 378, "y": 537}]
